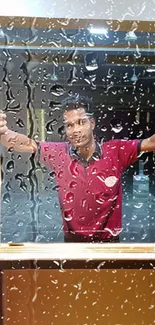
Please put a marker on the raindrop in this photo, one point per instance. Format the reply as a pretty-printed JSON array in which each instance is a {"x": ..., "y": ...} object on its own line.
[
  {"x": 29, "y": 66},
  {"x": 43, "y": 88},
  {"x": 6, "y": 197},
  {"x": 71, "y": 57},
  {"x": 46, "y": 76},
  {"x": 53, "y": 76},
  {"x": 48, "y": 215},
  {"x": 54, "y": 106},
  {"x": 57, "y": 90},
  {"x": 91, "y": 62},
  {"x": 49, "y": 126},
  {"x": 62, "y": 266},
  {"x": 60, "y": 174},
  {"x": 10, "y": 26},
  {"x": 23, "y": 186},
  {"x": 56, "y": 205},
  {"x": 103, "y": 128},
  {"x": 20, "y": 223},
  {"x": 140, "y": 133},
  {"x": 68, "y": 215},
  {"x": 69, "y": 197},
  {"x": 20, "y": 123},
  {"x": 74, "y": 170},
  {"x": 73, "y": 184},
  {"x": 116, "y": 125},
  {"x": 138, "y": 205},
  {"x": 55, "y": 61},
  {"x": 32, "y": 36},
  {"x": 90, "y": 40},
  {"x": 83, "y": 203},
  {"x": 61, "y": 131},
  {"x": 39, "y": 238},
  {"x": 72, "y": 77},
  {"x": 136, "y": 122},
  {"x": 43, "y": 101},
  {"x": 117, "y": 129},
  {"x": 100, "y": 266},
  {"x": 8, "y": 186},
  {"x": 52, "y": 175},
  {"x": 10, "y": 166},
  {"x": 89, "y": 78},
  {"x": 68, "y": 218}
]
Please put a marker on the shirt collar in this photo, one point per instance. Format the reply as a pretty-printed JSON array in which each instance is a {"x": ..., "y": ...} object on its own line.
[{"x": 76, "y": 155}]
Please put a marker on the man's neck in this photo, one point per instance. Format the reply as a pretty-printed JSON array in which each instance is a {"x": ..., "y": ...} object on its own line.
[{"x": 87, "y": 152}]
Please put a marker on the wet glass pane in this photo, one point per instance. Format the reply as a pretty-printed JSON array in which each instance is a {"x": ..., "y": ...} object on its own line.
[{"x": 79, "y": 93}]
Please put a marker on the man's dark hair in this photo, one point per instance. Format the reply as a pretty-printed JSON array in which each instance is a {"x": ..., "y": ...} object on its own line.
[{"x": 76, "y": 102}]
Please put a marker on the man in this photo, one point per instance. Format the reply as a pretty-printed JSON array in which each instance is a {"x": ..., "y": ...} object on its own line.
[{"x": 88, "y": 174}]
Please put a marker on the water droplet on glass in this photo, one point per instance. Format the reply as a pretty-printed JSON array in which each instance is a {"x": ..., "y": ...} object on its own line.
[
  {"x": 23, "y": 186},
  {"x": 117, "y": 128},
  {"x": 73, "y": 184},
  {"x": 100, "y": 266},
  {"x": 83, "y": 203},
  {"x": 55, "y": 61},
  {"x": 138, "y": 205},
  {"x": 48, "y": 215},
  {"x": 49, "y": 126},
  {"x": 69, "y": 197},
  {"x": 68, "y": 215},
  {"x": 43, "y": 87},
  {"x": 140, "y": 133},
  {"x": 20, "y": 223},
  {"x": 10, "y": 166},
  {"x": 61, "y": 131},
  {"x": 116, "y": 125},
  {"x": 71, "y": 57},
  {"x": 136, "y": 122},
  {"x": 72, "y": 77},
  {"x": 20, "y": 123},
  {"x": 91, "y": 62},
  {"x": 6, "y": 197},
  {"x": 73, "y": 169},
  {"x": 53, "y": 76},
  {"x": 16, "y": 234},
  {"x": 10, "y": 26},
  {"x": 57, "y": 90},
  {"x": 90, "y": 41},
  {"x": 60, "y": 174},
  {"x": 103, "y": 128}
]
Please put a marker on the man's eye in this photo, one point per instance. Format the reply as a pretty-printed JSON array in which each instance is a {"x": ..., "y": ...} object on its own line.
[{"x": 82, "y": 121}]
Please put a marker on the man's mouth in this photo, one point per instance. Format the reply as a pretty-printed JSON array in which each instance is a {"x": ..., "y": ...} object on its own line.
[{"x": 78, "y": 139}]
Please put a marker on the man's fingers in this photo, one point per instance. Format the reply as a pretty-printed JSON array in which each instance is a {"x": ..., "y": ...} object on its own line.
[
  {"x": 3, "y": 130},
  {"x": 2, "y": 115},
  {"x": 3, "y": 123}
]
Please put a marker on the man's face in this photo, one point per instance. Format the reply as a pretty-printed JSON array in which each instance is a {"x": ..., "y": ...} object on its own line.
[{"x": 79, "y": 127}]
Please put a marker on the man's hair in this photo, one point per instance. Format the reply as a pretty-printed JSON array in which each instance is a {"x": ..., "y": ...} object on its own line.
[{"x": 76, "y": 102}]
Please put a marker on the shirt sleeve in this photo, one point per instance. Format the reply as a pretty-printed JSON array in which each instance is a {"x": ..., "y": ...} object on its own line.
[
  {"x": 129, "y": 151},
  {"x": 46, "y": 153}
]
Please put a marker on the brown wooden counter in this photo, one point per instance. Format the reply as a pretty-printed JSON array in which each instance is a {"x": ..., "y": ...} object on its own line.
[{"x": 81, "y": 284}]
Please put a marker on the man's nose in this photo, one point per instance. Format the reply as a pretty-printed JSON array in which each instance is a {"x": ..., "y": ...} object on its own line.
[{"x": 76, "y": 129}]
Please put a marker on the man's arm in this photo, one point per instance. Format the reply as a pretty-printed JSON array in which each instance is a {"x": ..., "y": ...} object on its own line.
[
  {"x": 13, "y": 140},
  {"x": 148, "y": 144},
  {"x": 18, "y": 142}
]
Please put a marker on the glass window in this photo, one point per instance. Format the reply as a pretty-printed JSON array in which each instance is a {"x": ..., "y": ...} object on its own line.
[{"x": 78, "y": 90}]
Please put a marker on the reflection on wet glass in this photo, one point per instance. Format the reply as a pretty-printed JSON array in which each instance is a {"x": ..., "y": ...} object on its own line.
[{"x": 112, "y": 68}]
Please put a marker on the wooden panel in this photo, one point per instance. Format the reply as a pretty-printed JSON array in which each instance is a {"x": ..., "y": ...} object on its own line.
[
  {"x": 56, "y": 23},
  {"x": 52, "y": 297}
]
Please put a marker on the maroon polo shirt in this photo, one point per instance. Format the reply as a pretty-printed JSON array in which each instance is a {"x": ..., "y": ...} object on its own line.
[{"x": 90, "y": 193}]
